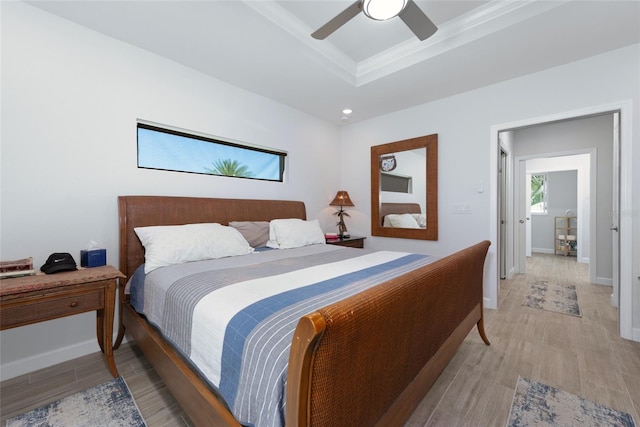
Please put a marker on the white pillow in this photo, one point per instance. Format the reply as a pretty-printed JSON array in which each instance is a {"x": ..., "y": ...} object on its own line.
[
  {"x": 175, "y": 244},
  {"x": 402, "y": 221},
  {"x": 421, "y": 219},
  {"x": 294, "y": 233}
]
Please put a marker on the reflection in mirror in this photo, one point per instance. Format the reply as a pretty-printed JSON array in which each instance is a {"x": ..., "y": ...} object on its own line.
[{"x": 404, "y": 189}]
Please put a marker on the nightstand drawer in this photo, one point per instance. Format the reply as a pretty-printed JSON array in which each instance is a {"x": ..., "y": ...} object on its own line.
[{"x": 48, "y": 307}]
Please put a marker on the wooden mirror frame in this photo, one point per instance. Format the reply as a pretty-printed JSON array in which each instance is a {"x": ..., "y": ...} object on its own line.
[{"x": 430, "y": 142}]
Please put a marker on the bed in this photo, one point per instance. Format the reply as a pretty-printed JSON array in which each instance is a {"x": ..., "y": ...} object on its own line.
[
  {"x": 367, "y": 359},
  {"x": 402, "y": 215}
]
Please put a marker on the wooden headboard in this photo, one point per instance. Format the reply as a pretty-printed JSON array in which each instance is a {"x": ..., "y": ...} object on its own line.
[
  {"x": 143, "y": 211},
  {"x": 398, "y": 208}
]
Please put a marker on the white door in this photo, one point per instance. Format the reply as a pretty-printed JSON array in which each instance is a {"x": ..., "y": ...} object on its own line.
[
  {"x": 523, "y": 196},
  {"x": 527, "y": 212},
  {"x": 615, "y": 213},
  {"x": 502, "y": 171}
]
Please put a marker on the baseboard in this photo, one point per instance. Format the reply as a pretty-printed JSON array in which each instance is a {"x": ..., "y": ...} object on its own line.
[
  {"x": 604, "y": 281},
  {"x": 486, "y": 302},
  {"x": 543, "y": 251},
  {"x": 44, "y": 360}
]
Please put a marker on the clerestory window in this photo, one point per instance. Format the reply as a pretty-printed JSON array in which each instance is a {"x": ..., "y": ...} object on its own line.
[{"x": 183, "y": 151}]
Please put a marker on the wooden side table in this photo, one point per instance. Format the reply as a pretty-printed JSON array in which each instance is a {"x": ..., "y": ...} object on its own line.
[
  {"x": 352, "y": 242},
  {"x": 33, "y": 299}
]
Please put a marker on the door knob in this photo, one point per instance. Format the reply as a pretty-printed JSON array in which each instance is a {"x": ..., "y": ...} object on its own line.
[
  {"x": 613, "y": 228},
  {"x": 522, "y": 221}
]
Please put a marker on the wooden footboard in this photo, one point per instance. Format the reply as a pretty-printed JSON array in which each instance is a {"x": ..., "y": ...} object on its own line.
[{"x": 370, "y": 359}]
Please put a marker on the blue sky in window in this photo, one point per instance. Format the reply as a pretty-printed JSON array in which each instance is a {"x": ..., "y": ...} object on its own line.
[{"x": 159, "y": 150}]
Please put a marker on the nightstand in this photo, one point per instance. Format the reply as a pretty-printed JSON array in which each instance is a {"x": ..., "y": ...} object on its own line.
[
  {"x": 32, "y": 299},
  {"x": 351, "y": 242}
]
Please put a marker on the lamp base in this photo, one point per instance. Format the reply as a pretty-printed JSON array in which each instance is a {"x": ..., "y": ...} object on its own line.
[{"x": 342, "y": 229}]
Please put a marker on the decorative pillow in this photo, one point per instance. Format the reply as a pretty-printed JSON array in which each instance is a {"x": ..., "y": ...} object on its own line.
[
  {"x": 402, "y": 221},
  {"x": 175, "y": 244},
  {"x": 294, "y": 233},
  {"x": 421, "y": 219},
  {"x": 254, "y": 232}
]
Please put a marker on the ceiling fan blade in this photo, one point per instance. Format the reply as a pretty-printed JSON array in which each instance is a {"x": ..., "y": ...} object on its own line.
[
  {"x": 337, "y": 22},
  {"x": 417, "y": 21}
]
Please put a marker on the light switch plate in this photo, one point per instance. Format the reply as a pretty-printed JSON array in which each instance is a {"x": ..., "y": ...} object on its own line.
[{"x": 462, "y": 209}]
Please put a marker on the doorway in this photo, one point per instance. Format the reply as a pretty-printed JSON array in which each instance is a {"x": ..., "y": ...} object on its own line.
[
  {"x": 623, "y": 269},
  {"x": 583, "y": 162}
]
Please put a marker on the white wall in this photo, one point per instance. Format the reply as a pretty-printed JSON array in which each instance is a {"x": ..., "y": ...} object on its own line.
[
  {"x": 463, "y": 123},
  {"x": 70, "y": 100}
]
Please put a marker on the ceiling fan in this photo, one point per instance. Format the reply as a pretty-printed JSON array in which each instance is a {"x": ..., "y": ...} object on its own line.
[{"x": 381, "y": 10}]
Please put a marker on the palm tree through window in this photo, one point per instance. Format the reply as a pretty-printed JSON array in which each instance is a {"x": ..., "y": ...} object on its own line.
[{"x": 539, "y": 193}]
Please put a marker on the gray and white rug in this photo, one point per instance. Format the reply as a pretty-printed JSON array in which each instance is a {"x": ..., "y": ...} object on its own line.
[
  {"x": 552, "y": 296},
  {"x": 537, "y": 404},
  {"x": 106, "y": 405}
]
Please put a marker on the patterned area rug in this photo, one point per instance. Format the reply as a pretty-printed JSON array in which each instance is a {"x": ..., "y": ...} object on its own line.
[
  {"x": 109, "y": 405},
  {"x": 537, "y": 404},
  {"x": 553, "y": 297}
]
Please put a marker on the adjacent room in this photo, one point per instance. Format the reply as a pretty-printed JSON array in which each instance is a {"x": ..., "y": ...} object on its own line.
[{"x": 437, "y": 209}]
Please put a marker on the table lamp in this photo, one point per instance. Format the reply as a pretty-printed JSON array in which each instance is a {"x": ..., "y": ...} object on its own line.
[{"x": 341, "y": 199}]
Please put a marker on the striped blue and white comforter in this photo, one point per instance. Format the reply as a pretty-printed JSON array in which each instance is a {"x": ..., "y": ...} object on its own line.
[{"x": 234, "y": 318}]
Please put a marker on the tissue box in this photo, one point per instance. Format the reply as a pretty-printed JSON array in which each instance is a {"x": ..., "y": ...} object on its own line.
[{"x": 93, "y": 257}]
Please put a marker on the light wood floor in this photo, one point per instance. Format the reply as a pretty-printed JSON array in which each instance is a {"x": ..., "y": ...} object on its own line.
[{"x": 583, "y": 356}]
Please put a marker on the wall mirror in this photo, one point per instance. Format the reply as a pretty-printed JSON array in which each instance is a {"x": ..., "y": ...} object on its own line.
[{"x": 404, "y": 189}]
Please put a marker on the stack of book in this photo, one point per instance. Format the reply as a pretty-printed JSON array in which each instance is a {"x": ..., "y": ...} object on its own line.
[
  {"x": 331, "y": 236},
  {"x": 17, "y": 268}
]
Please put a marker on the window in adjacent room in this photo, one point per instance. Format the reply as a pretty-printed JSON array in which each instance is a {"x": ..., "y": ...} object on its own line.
[
  {"x": 395, "y": 183},
  {"x": 539, "y": 193},
  {"x": 165, "y": 148}
]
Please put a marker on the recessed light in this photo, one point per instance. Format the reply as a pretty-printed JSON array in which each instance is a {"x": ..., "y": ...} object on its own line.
[{"x": 347, "y": 111}]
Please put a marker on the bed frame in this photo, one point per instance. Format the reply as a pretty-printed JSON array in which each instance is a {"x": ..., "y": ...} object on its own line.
[{"x": 367, "y": 360}]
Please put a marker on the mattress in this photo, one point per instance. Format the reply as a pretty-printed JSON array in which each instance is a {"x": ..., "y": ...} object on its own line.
[{"x": 234, "y": 318}]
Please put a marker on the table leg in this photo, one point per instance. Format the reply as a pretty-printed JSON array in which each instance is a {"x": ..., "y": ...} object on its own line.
[
  {"x": 100, "y": 320},
  {"x": 107, "y": 327},
  {"x": 121, "y": 328}
]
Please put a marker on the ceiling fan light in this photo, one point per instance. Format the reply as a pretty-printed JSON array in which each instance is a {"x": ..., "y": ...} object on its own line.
[{"x": 381, "y": 10}]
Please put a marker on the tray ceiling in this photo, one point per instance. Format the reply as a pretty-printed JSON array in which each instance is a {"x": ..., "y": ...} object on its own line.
[{"x": 372, "y": 67}]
